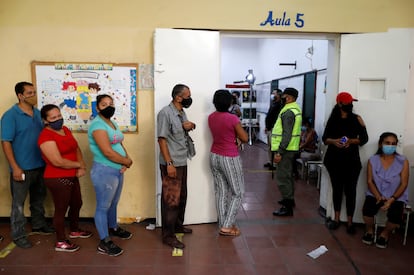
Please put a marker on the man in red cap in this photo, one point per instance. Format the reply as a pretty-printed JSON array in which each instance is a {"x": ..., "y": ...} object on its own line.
[{"x": 345, "y": 131}]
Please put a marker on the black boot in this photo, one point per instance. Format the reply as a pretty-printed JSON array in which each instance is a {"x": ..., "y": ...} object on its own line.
[{"x": 284, "y": 211}]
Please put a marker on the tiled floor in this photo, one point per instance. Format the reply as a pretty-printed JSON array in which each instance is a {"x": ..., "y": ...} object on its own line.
[{"x": 268, "y": 245}]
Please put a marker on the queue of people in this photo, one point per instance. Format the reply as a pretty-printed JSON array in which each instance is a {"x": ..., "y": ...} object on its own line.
[{"x": 42, "y": 152}]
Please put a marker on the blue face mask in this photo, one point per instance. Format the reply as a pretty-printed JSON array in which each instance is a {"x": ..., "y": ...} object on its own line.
[
  {"x": 389, "y": 149},
  {"x": 303, "y": 128},
  {"x": 56, "y": 125}
]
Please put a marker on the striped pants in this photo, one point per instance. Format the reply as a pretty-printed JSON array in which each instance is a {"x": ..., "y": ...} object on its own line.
[{"x": 229, "y": 187}]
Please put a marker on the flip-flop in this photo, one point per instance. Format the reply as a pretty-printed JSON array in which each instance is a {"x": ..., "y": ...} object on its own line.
[{"x": 234, "y": 232}]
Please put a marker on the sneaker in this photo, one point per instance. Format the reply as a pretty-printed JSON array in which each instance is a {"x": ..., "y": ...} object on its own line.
[
  {"x": 1, "y": 238},
  {"x": 23, "y": 243},
  {"x": 45, "y": 230},
  {"x": 66, "y": 246},
  {"x": 120, "y": 233},
  {"x": 368, "y": 238},
  {"x": 109, "y": 248},
  {"x": 80, "y": 234},
  {"x": 381, "y": 242},
  {"x": 332, "y": 224}
]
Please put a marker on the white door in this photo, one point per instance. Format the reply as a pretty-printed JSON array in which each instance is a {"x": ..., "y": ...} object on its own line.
[
  {"x": 191, "y": 58},
  {"x": 374, "y": 68}
]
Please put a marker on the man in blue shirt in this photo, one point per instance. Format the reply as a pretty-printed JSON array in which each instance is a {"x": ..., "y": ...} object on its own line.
[{"x": 20, "y": 129}]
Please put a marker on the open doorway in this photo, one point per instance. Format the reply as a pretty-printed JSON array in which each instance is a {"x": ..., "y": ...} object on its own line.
[{"x": 279, "y": 61}]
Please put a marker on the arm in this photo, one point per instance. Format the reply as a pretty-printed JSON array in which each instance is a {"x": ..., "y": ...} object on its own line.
[
  {"x": 371, "y": 184},
  {"x": 51, "y": 152},
  {"x": 288, "y": 121},
  {"x": 82, "y": 169},
  {"x": 401, "y": 188},
  {"x": 8, "y": 152},
  {"x": 102, "y": 140},
  {"x": 309, "y": 139},
  {"x": 241, "y": 133},
  {"x": 162, "y": 142}
]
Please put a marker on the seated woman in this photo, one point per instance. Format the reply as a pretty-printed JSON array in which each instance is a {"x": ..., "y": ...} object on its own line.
[
  {"x": 308, "y": 140},
  {"x": 387, "y": 179}
]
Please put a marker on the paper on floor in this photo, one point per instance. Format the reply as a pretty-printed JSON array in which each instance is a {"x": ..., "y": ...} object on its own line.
[{"x": 317, "y": 252}]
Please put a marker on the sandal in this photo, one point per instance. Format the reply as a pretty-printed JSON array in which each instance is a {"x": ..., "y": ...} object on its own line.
[{"x": 234, "y": 231}]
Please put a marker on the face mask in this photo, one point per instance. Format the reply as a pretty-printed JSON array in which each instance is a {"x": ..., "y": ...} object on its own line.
[
  {"x": 187, "y": 102},
  {"x": 31, "y": 100},
  {"x": 303, "y": 128},
  {"x": 347, "y": 108},
  {"x": 56, "y": 125},
  {"x": 272, "y": 97},
  {"x": 108, "y": 112},
  {"x": 389, "y": 149},
  {"x": 283, "y": 101}
]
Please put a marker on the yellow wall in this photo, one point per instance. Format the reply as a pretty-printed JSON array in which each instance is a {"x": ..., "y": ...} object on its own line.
[{"x": 122, "y": 31}]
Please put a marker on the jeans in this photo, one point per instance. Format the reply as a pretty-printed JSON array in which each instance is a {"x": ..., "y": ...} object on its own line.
[
  {"x": 108, "y": 183},
  {"x": 33, "y": 184}
]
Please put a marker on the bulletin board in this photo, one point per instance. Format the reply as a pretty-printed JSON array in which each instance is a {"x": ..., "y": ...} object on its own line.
[{"x": 73, "y": 86}]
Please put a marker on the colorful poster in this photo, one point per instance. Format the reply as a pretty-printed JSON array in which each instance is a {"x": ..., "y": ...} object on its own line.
[{"x": 74, "y": 88}]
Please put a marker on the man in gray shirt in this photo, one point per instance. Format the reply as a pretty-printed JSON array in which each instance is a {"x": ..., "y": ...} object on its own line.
[{"x": 172, "y": 131}]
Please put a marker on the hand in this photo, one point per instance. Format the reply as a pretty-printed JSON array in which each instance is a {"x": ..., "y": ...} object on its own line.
[
  {"x": 18, "y": 174},
  {"x": 387, "y": 204},
  {"x": 172, "y": 172},
  {"x": 338, "y": 143},
  {"x": 80, "y": 172},
  {"x": 129, "y": 162},
  {"x": 188, "y": 125},
  {"x": 123, "y": 169}
]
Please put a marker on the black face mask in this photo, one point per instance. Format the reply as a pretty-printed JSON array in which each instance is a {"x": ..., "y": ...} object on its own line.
[
  {"x": 108, "y": 112},
  {"x": 347, "y": 108},
  {"x": 56, "y": 125},
  {"x": 187, "y": 102},
  {"x": 283, "y": 101}
]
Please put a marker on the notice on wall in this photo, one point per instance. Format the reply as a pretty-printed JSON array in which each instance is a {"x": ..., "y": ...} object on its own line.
[{"x": 74, "y": 88}]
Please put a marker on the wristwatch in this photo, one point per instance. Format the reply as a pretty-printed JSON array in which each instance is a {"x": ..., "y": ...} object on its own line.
[{"x": 169, "y": 163}]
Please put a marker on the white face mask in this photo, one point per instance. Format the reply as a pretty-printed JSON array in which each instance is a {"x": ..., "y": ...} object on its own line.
[{"x": 272, "y": 97}]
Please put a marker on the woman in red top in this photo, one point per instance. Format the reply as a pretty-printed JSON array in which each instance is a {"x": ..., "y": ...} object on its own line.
[{"x": 64, "y": 165}]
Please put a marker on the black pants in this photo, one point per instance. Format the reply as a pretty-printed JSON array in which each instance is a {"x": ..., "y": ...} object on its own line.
[
  {"x": 344, "y": 181},
  {"x": 173, "y": 201},
  {"x": 394, "y": 213}
]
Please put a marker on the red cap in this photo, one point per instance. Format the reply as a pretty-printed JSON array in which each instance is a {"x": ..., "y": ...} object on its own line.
[{"x": 345, "y": 98}]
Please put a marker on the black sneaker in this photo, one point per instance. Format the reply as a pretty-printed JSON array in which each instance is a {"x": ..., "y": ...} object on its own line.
[
  {"x": 109, "y": 248},
  {"x": 332, "y": 224},
  {"x": 23, "y": 243},
  {"x": 45, "y": 230},
  {"x": 368, "y": 238},
  {"x": 381, "y": 242},
  {"x": 120, "y": 233}
]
